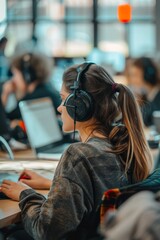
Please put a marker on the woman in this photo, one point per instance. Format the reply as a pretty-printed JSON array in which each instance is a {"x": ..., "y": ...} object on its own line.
[
  {"x": 113, "y": 153},
  {"x": 30, "y": 75}
]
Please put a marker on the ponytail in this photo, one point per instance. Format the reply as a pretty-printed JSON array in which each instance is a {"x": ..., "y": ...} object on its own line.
[{"x": 131, "y": 141}]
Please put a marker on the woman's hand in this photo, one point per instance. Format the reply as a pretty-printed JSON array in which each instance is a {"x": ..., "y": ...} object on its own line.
[
  {"x": 13, "y": 189},
  {"x": 35, "y": 180}
]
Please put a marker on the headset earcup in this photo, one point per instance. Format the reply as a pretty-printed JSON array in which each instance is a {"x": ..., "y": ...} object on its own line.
[
  {"x": 27, "y": 76},
  {"x": 82, "y": 104},
  {"x": 26, "y": 68}
]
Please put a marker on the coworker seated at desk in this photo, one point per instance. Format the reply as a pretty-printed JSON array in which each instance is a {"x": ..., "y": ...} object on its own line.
[
  {"x": 30, "y": 74},
  {"x": 145, "y": 82},
  {"x": 113, "y": 152},
  {"x": 7, "y": 133}
]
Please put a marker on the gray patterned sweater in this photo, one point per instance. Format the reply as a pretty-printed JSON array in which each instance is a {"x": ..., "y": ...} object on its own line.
[{"x": 84, "y": 172}]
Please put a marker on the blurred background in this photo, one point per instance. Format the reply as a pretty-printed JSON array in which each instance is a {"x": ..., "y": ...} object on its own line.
[{"x": 72, "y": 30}]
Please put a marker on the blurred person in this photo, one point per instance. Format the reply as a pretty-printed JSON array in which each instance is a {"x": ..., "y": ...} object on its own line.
[
  {"x": 144, "y": 81},
  {"x": 113, "y": 152},
  {"x": 30, "y": 75},
  {"x": 134, "y": 221}
]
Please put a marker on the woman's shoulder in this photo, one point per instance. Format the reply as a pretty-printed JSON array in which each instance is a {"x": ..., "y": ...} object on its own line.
[
  {"x": 88, "y": 155},
  {"x": 77, "y": 148},
  {"x": 93, "y": 148},
  {"x": 71, "y": 159}
]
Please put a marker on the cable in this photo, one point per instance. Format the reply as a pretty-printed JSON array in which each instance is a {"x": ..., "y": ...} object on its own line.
[
  {"x": 75, "y": 116},
  {"x": 7, "y": 147},
  {"x": 74, "y": 131}
]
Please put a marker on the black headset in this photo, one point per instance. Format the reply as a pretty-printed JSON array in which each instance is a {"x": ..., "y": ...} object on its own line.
[
  {"x": 26, "y": 68},
  {"x": 79, "y": 103}
]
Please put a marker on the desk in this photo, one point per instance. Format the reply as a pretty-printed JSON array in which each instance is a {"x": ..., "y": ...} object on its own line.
[
  {"x": 23, "y": 154},
  {"x": 9, "y": 212},
  {"x": 9, "y": 209}
]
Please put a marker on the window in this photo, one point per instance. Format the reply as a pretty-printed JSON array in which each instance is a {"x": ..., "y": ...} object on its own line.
[
  {"x": 79, "y": 39},
  {"x": 49, "y": 9},
  {"x": 143, "y": 9},
  {"x": 142, "y": 45},
  {"x": 74, "y": 27},
  {"x": 51, "y": 38},
  {"x": 19, "y": 10}
]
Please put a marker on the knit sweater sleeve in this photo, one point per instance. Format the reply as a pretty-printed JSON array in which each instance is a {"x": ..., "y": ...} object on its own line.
[{"x": 62, "y": 211}]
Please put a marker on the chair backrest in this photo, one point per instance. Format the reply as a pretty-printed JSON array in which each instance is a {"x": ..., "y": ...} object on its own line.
[{"x": 113, "y": 198}]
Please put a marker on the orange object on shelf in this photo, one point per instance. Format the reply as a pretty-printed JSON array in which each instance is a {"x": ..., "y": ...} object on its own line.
[{"x": 124, "y": 13}]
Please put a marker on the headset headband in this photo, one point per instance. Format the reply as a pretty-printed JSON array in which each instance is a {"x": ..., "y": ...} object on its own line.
[{"x": 80, "y": 71}]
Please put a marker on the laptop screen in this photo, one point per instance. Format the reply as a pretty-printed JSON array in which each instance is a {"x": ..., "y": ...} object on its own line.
[{"x": 41, "y": 122}]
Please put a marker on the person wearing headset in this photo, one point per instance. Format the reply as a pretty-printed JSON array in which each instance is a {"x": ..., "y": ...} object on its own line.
[
  {"x": 30, "y": 74},
  {"x": 113, "y": 152},
  {"x": 144, "y": 79}
]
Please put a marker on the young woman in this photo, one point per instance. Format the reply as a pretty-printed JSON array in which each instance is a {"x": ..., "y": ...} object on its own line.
[{"x": 113, "y": 152}]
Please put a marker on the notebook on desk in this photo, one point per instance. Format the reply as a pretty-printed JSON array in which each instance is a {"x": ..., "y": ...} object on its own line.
[{"x": 43, "y": 130}]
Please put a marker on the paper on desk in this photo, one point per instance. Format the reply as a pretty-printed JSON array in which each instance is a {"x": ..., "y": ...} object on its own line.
[
  {"x": 20, "y": 165},
  {"x": 11, "y": 169}
]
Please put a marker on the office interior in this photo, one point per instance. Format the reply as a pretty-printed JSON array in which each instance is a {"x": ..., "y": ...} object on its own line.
[
  {"x": 70, "y": 32},
  {"x": 81, "y": 30}
]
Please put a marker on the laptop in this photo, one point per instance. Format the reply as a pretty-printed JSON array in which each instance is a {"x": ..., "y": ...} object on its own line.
[{"x": 43, "y": 130}]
